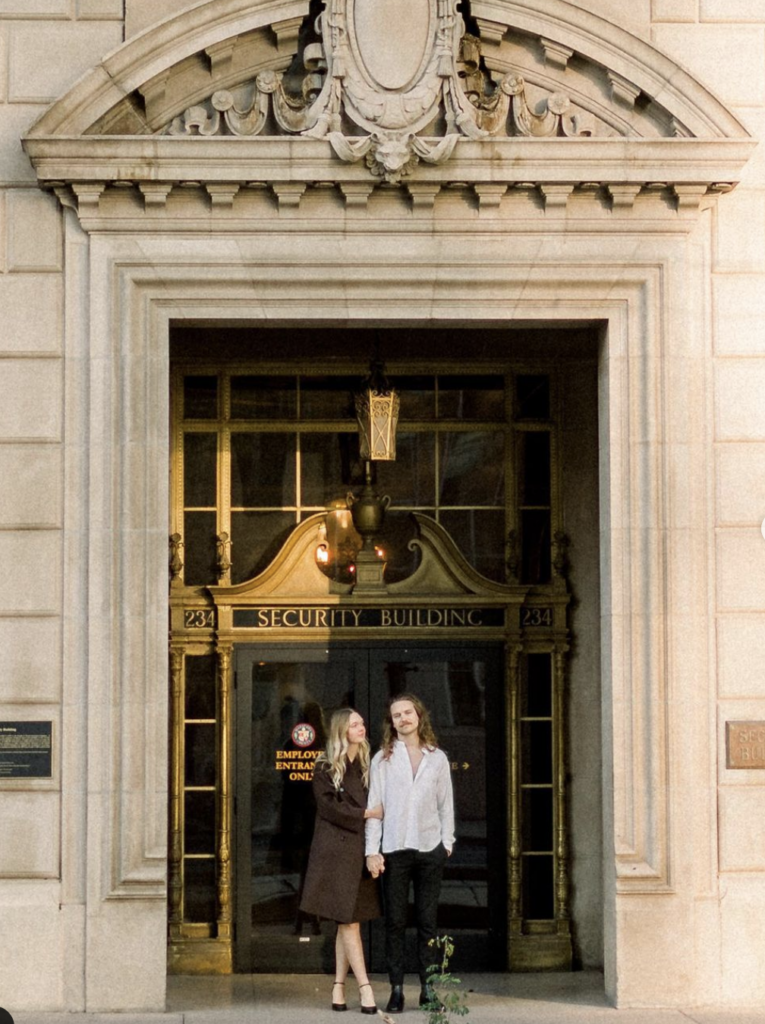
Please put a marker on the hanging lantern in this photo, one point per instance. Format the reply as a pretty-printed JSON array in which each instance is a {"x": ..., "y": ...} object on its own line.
[{"x": 377, "y": 405}]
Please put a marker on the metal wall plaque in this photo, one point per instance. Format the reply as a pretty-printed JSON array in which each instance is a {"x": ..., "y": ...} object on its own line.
[
  {"x": 25, "y": 750},
  {"x": 745, "y": 742}
]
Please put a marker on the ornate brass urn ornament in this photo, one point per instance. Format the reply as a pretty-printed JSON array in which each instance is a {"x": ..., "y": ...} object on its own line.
[{"x": 413, "y": 93}]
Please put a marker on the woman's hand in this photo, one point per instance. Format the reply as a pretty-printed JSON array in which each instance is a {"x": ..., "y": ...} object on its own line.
[
  {"x": 375, "y": 864},
  {"x": 374, "y": 812}
]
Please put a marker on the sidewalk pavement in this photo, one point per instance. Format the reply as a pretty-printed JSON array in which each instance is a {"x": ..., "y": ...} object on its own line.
[{"x": 575, "y": 998}]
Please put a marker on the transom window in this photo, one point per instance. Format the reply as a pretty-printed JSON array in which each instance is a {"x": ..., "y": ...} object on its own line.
[{"x": 256, "y": 452}]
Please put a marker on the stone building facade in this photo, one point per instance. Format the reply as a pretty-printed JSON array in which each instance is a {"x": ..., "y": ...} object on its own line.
[{"x": 232, "y": 191}]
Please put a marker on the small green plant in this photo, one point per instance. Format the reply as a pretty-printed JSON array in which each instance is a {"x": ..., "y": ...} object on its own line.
[{"x": 447, "y": 1001}]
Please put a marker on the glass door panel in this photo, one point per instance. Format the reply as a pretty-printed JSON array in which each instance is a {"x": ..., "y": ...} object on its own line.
[
  {"x": 463, "y": 691},
  {"x": 284, "y": 699}
]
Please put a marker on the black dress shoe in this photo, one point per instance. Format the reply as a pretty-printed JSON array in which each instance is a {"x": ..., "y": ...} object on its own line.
[
  {"x": 396, "y": 1001},
  {"x": 429, "y": 998}
]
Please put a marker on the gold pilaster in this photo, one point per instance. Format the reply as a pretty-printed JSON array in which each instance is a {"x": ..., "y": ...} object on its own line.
[
  {"x": 561, "y": 816},
  {"x": 175, "y": 867},
  {"x": 225, "y": 796},
  {"x": 512, "y": 746}
]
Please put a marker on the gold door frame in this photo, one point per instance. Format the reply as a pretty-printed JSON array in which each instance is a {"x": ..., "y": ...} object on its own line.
[{"x": 534, "y": 620}]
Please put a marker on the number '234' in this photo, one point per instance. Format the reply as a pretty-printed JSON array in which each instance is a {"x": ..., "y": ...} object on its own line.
[
  {"x": 536, "y": 617},
  {"x": 198, "y": 618}
]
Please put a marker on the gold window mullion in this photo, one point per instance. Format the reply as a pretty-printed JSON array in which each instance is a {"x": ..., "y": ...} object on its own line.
[
  {"x": 512, "y": 568},
  {"x": 177, "y": 499},
  {"x": 224, "y": 482}
]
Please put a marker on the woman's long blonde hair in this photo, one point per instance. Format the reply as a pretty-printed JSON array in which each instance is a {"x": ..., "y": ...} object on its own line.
[{"x": 336, "y": 750}]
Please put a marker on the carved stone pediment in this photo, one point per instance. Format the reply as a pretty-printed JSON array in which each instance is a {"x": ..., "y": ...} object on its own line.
[
  {"x": 494, "y": 94},
  {"x": 412, "y": 94}
]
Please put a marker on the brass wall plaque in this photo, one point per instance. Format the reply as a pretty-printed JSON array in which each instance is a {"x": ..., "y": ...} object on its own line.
[{"x": 745, "y": 743}]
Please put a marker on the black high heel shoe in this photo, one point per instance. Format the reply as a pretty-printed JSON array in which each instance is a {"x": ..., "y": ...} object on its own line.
[
  {"x": 338, "y": 1006},
  {"x": 367, "y": 1009}
]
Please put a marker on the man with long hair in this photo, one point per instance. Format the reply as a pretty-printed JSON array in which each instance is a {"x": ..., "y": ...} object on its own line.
[{"x": 411, "y": 778}]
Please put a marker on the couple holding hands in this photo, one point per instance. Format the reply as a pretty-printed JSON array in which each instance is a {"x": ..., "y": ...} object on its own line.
[{"x": 399, "y": 811}]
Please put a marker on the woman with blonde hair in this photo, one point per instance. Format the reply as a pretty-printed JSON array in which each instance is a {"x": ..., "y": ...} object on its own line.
[{"x": 337, "y": 886}]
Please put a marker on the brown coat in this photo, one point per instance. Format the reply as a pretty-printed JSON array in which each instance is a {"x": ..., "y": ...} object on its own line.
[{"x": 334, "y": 887}]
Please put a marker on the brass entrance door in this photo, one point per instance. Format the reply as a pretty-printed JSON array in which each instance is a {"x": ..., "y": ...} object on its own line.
[{"x": 283, "y": 700}]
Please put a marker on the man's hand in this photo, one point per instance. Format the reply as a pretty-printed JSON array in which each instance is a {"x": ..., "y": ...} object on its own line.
[
  {"x": 374, "y": 812},
  {"x": 375, "y": 864}
]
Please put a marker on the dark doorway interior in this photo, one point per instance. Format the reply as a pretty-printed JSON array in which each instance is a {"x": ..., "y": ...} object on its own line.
[{"x": 279, "y": 689}]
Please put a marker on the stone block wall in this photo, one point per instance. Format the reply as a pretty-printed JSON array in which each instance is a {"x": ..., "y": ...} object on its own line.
[
  {"x": 723, "y": 43},
  {"x": 45, "y": 46}
]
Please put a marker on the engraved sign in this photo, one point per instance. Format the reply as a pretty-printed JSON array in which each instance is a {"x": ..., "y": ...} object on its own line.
[
  {"x": 25, "y": 750},
  {"x": 745, "y": 743},
  {"x": 371, "y": 618}
]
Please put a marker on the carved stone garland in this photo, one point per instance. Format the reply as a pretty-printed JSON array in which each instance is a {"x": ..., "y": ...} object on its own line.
[{"x": 365, "y": 74}]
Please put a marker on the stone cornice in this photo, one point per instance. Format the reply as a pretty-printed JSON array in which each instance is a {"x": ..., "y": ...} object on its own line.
[
  {"x": 164, "y": 111},
  {"x": 233, "y": 159}
]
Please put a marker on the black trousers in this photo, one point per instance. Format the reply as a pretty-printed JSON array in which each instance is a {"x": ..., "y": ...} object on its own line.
[{"x": 424, "y": 871}]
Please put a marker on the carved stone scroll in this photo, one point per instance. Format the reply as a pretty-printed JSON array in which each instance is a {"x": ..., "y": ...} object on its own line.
[{"x": 414, "y": 95}]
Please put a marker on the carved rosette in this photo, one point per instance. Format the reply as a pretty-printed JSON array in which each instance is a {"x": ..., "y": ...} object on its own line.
[{"x": 414, "y": 94}]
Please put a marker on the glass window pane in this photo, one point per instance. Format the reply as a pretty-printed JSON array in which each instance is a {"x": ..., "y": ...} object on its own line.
[
  {"x": 533, "y": 396},
  {"x": 328, "y": 398},
  {"x": 535, "y": 546},
  {"x": 200, "y": 686},
  {"x": 200, "y": 754},
  {"x": 472, "y": 466},
  {"x": 467, "y": 686},
  {"x": 410, "y": 480},
  {"x": 480, "y": 536},
  {"x": 418, "y": 397},
  {"x": 536, "y": 686},
  {"x": 199, "y": 822},
  {"x": 199, "y": 548},
  {"x": 199, "y": 470},
  {"x": 537, "y": 820},
  {"x": 199, "y": 896},
  {"x": 263, "y": 470},
  {"x": 534, "y": 467},
  {"x": 538, "y": 900},
  {"x": 263, "y": 398},
  {"x": 329, "y": 465},
  {"x": 200, "y": 398},
  {"x": 255, "y": 541},
  {"x": 471, "y": 397},
  {"x": 536, "y": 753}
]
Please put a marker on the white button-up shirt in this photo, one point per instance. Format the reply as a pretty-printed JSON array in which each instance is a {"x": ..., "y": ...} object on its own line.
[{"x": 419, "y": 809}]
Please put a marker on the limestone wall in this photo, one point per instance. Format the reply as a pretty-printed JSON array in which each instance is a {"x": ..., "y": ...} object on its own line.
[
  {"x": 45, "y": 45},
  {"x": 723, "y": 43}
]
